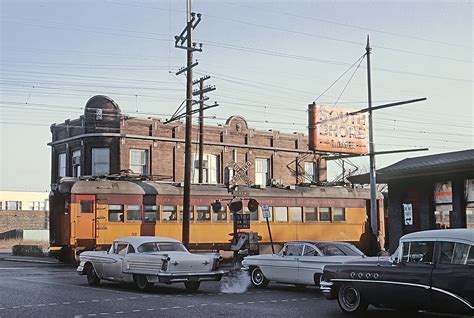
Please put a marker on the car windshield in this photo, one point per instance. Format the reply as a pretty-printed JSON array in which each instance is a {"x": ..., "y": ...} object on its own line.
[
  {"x": 339, "y": 249},
  {"x": 151, "y": 247}
]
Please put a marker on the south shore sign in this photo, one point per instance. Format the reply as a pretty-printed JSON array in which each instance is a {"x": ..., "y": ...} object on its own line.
[{"x": 335, "y": 129}]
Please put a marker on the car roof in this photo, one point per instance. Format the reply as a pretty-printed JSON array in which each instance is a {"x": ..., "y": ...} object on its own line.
[
  {"x": 138, "y": 240},
  {"x": 445, "y": 234}
]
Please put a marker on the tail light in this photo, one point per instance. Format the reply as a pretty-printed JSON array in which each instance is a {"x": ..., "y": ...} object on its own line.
[
  {"x": 164, "y": 262},
  {"x": 215, "y": 264}
]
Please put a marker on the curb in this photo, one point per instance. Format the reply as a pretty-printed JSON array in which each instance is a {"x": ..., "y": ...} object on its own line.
[{"x": 30, "y": 261}]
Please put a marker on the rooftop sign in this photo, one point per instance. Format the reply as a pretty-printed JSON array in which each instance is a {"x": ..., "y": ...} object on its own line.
[{"x": 335, "y": 129}]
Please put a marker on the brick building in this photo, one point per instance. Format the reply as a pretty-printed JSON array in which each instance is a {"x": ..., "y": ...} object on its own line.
[
  {"x": 104, "y": 141},
  {"x": 23, "y": 210}
]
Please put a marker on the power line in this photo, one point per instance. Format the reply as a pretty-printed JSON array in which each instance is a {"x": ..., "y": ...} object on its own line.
[
  {"x": 352, "y": 26},
  {"x": 340, "y": 76}
]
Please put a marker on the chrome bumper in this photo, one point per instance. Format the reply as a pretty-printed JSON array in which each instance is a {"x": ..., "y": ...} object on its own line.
[
  {"x": 80, "y": 269},
  {"x": 326, "y": 289},
  {"x": 168, "y": 278}
]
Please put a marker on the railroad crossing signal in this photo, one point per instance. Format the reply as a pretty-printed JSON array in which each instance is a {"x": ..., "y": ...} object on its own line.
[
  {"x": 252, "y": 205},
  {"x": 240, "y": 173}
]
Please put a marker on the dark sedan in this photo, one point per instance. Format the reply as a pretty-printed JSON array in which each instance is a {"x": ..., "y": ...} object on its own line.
[{"x": 431, "y": 270}]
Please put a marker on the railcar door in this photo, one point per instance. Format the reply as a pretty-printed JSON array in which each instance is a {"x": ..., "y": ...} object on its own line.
[{"x": 85, "y": 217}]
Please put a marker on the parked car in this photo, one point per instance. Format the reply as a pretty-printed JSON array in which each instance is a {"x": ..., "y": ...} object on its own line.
[
  {"x": 431, "y": 270},
  {"x": 298, "y": 262},
  {"x": 145, "y": 260}
]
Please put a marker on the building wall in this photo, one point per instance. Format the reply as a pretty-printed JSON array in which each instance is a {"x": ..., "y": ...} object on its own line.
[
  {"x": 25, "y": 197},
  {"x": 23, "y": 220},
  {"x": 420, "y": 193},
  {"x": 165, "y": 144}
]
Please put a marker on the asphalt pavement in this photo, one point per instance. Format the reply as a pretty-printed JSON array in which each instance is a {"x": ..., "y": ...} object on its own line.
[{"x": 43, "y": 287}]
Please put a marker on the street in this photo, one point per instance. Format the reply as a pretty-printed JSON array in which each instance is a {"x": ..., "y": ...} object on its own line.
[{"x": 45, "y": 288}]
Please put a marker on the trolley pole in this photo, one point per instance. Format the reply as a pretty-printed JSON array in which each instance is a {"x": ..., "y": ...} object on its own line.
[{"x": 373, "y": 181}]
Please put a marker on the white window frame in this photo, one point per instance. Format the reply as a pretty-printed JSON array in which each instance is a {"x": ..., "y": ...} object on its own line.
[
  {"x": 76, "y": 163},
  {"x": 100, "y": 165},
  {"x": 210, "y": 172},
  {"x": 262, "y": 171},
  {"x": 62, "y": 165},
  {"x": 310, "y": 171},
  {"x": 140, "y": 166}
]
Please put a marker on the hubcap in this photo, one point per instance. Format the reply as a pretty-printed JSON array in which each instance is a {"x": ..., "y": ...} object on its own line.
[
  {"x": 350, "y": 297},
  {"x": 257, "y": 277}
]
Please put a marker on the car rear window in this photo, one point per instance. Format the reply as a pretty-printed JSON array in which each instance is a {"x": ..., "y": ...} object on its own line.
[
  {"x": 151, "y": 247},
  {"x": 332, "y": 249}
]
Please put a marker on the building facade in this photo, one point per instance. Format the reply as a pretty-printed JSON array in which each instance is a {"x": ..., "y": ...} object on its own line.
[
  {"x": 428, "y": 192},
  {"x": 105, "y": 142},
  {"x": 23, "y": 210}
]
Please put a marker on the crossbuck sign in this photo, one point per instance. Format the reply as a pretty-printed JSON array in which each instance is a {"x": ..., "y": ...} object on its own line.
[{"x": 240, "y": 173}]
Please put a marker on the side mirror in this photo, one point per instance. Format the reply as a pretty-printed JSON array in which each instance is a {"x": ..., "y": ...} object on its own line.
[{"x": 283, "y": 253}]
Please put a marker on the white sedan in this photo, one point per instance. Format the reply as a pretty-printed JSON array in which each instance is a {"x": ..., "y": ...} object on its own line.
[
  {"x": 145, "y": 260},
  {"x": 299, "y": 262}
]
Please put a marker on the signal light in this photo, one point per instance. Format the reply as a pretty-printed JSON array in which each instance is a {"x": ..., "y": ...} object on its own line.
[
  {"x": 236, "y": 205},
  {"x": 216, "y": 206},
  {"x": 252, "y": 205}
]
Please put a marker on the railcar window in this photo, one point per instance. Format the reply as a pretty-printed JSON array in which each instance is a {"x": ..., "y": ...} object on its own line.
[
  {"x": 220, "y": 216},
  {"x": 168, "y": 213},
  {"x": 417, "y": 252},
  {"x": 311, "y": 214},
  {"x": 338, "y": 214},
  {"x": 87, "y": 206},
  {"x": 115, "y": 213},
  {"x": 151, "y": 213},
  {"x": 133, "y": 213},
  {"x": 281, "y": 214},
  {"x": 203, "y": 213},
  {"x": 324, "y": 214},
  {"x": 191, "y": 213},
  {"x": 296, "y": 214}
]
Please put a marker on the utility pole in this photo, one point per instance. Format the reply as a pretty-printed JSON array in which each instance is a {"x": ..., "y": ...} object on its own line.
[
  {"x": 201, "y": 91},
  {"x": 186, "y": 35},
  {"x": 373, "y": 182}
]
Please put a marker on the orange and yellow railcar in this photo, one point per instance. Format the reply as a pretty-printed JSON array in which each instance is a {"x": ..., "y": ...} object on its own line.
[{"x": 89, "y": 214}]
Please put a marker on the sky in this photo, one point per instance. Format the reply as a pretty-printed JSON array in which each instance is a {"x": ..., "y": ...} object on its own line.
[{"x": 267, "y": 59}]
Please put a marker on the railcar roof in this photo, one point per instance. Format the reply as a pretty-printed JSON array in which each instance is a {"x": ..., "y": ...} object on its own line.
[
  {"x": 449, "y": 234},
  {"x": 105, "y": 186},
  {"x": 138, "y": 240}
]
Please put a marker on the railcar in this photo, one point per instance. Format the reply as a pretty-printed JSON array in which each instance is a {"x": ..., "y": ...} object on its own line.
[{"x": 88, "y": 214}]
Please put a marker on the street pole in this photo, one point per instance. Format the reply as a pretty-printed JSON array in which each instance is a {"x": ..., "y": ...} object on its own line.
[
  {"x": 373, "y": 181},
  {"x": 201, "y": 128},
  {"x": 188, "y": 130}
]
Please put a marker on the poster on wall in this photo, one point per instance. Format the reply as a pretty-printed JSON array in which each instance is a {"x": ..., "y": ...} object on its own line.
[
  {"x": 408, "y": 213},
  {"x": 443, "y": 193}
]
